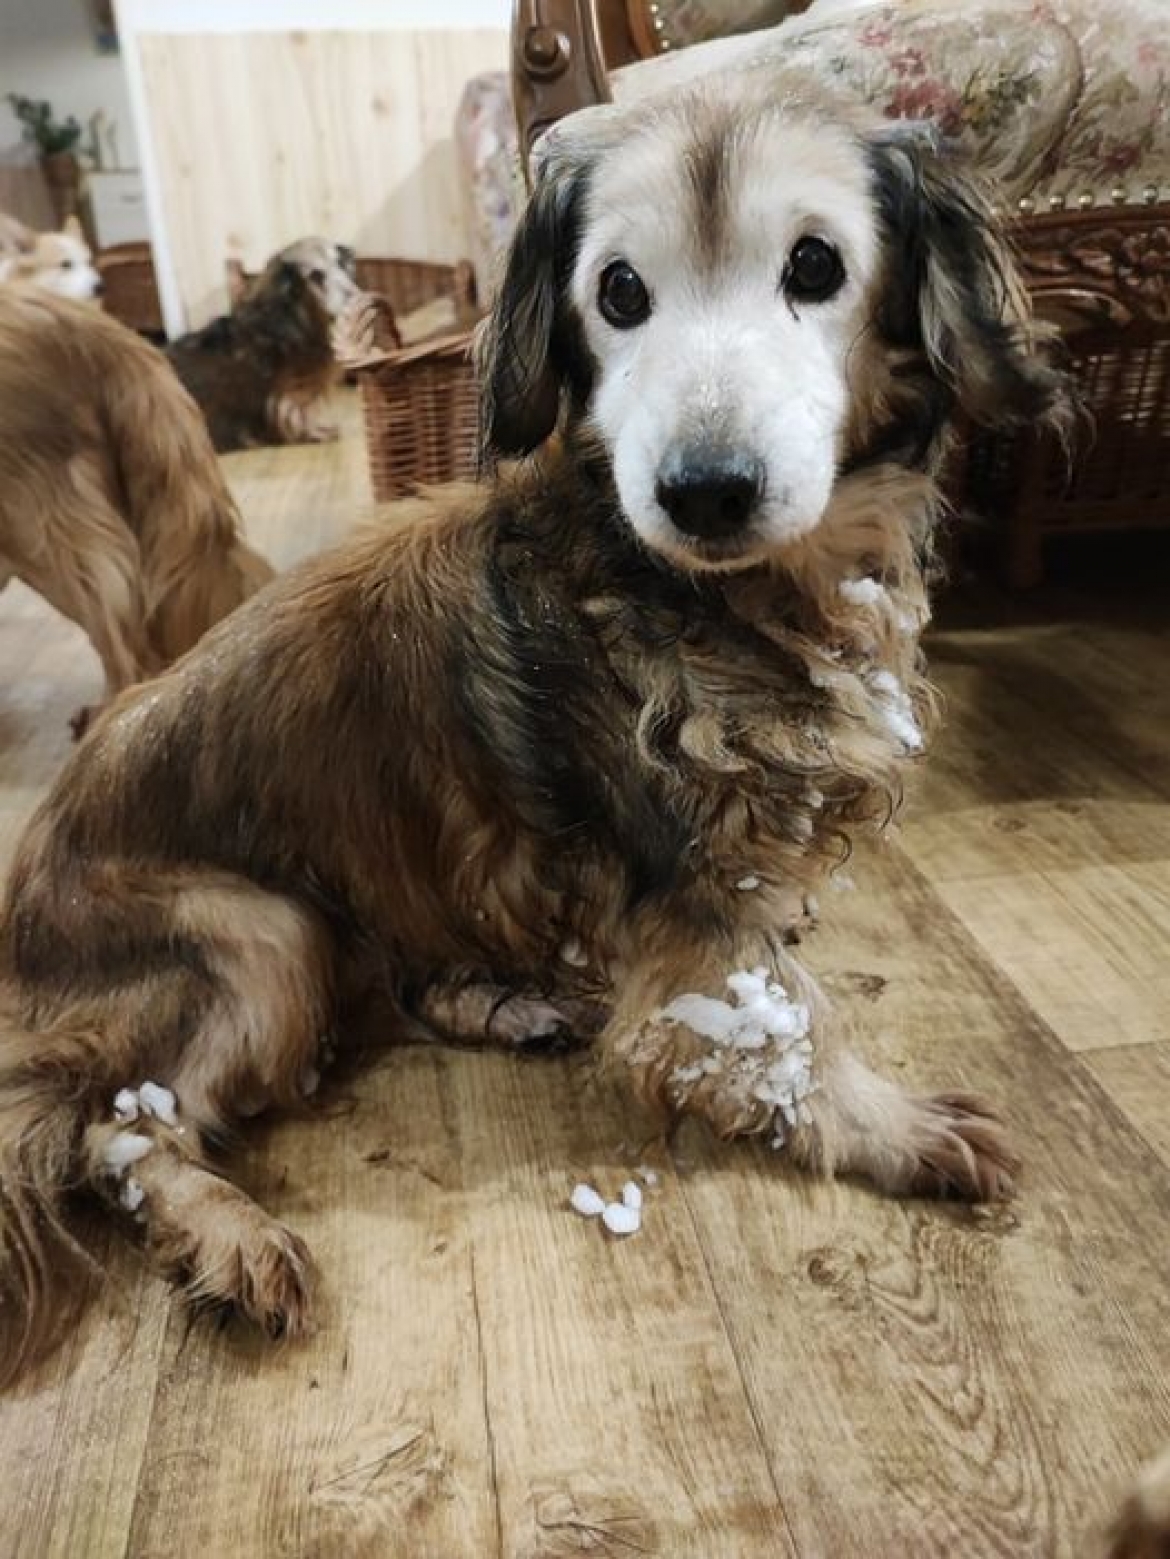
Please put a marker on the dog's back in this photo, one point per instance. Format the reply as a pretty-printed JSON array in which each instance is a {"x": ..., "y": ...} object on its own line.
[
  {"x": 241, "y": 366},
  {"x": 112, "y": 504}
]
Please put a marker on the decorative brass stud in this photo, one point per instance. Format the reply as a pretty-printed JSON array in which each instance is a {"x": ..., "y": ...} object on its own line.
[
  {"x": 1026, "y": 205},
  {"x": 1086, "y": 200},
  {"x": 1056, "y": 202},
  {"x": 1118, "y": 195},
  {"x": 664, "y": 44}
]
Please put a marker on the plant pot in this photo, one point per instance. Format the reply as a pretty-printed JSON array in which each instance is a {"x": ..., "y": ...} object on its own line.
[{"x": 63, "y": 176}]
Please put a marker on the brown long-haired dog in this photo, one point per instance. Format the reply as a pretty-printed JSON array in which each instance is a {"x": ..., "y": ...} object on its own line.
[
  {"x": 565, "y": 751},
  {"x": 261, "y": 373},
  {"x": 112, "y": 504}
]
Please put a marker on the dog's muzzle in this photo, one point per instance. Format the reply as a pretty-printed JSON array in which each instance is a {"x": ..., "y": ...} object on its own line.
[{"x": 708, "y": 494}]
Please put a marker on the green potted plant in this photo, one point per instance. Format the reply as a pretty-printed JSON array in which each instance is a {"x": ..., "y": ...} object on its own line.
[{"x": 56, "y": 142}]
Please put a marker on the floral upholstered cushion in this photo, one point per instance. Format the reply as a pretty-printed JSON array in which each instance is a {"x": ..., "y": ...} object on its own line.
[
  {"x": 1119, "y": 130},
  {"x": 1060, "y": 100},
  {"x": 490, "y": 171},
  {"x": 659, "y": 25},
  {"x": 1064, "y": 101}
]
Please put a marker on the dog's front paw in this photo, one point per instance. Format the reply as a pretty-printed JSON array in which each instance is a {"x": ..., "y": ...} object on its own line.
[
  {"x": 745, "y": 1064},
  {"x": 963, "y": 1150}
]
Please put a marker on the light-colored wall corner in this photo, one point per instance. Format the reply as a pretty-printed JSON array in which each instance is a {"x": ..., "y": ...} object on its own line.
[{"x": 47, "y": 50}]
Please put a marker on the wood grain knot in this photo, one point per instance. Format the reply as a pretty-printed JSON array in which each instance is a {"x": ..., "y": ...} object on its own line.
[{"x": 587, "y": 1518}]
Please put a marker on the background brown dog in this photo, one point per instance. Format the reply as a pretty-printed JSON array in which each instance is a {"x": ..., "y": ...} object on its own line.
[
  {"x": 112, "y": 504},
  {"x": 260, "y": 373}
]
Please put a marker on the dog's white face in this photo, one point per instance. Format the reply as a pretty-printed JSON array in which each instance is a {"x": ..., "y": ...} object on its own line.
[
  {"x": 721, "y": 319},
  {"x": 750, "y": 299},
  {"x": 59, "y": 262},
  {"x": 329, "y": 270}
]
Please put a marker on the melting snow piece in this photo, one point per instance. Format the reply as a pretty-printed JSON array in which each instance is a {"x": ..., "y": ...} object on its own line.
[
  {"x": 132, "y": 1196},
  {"x": 620, "y": 1219},
  {"x": 748, "y": 884},
  {"x": 862, "y": 592},
  {"x": 159, "y": 1102},
  {"x": 632, "y": 1196},
  {"x": 126, "y": 1104},
  {"x": 647, "y": 1176},
  {"x": 897, "y": 710},
  {"x": 761, "y": 1047},
  {"x": 573, "y": 953},
  {"x": 586, "y": 1201},
  {"x": 124, "y": 1149},
  {"x": 764, "y": 1012}
]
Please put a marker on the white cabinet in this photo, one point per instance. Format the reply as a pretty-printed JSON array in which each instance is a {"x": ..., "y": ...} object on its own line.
[{"x": 117, "y": 208}]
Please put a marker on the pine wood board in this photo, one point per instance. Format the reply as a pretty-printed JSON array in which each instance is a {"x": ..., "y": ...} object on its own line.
[
  {"x": 935, "y": 1380},
  {"x": 1137, "y": 1079}
]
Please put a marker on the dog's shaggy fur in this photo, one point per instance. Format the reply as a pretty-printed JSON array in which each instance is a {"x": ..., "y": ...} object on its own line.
[
  {"x": 1142, "y": 1527},
  {"x": 58, "y": 262},
  {"x": 534, "y": 759},
  {"x": 112, "y": 505},
  {"x": 261, "y": 373}
]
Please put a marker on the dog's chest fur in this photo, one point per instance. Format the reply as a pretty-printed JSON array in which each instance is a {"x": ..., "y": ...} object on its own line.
[{"x": 671, "y": 735}]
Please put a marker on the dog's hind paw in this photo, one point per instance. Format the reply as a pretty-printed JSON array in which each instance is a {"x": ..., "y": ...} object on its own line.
[
  {"x": 227, "y": 1252},
  {"x": 964, "y": 1151},
  {"x": 263, "y": 1276}
]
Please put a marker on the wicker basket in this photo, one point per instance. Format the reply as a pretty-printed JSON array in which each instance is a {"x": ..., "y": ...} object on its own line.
[
  {"x": 420, "y": 401},
  {"x": 421, "y": 411},
  {"x": 408, "y": 285},
  {"x": 129, "y": 290}
]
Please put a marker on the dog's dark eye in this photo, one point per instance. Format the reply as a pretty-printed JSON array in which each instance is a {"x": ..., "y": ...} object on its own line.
[
  {"x": 814, "y": 271},
  {"x": 622, "y": 296},
  {"x": 317, "y": 277},
  {"x": 66, "y": 265}
]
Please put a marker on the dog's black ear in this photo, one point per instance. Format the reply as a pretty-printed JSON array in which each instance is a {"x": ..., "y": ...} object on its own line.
[
  {"x": 952, "y": 291},
  {"x": 526, "y": 347}
]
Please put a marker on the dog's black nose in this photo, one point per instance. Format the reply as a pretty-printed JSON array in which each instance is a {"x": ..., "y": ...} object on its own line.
[{"x": 710, "y": 496}]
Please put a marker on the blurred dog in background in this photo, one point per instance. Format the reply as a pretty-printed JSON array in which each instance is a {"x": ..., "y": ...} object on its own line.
[
  {"x": 261, "y": 373},
  {"x": 112, "y": 504},
  {"x": 59, "y": 262}
]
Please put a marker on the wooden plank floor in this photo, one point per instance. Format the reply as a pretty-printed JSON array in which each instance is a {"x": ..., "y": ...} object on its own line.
[{"x": 773, "y": 1366}]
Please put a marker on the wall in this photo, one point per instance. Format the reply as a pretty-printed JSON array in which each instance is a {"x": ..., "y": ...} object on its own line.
[
  {"x": 262, "y": 124},
  {"x": 47, "y": 51}
]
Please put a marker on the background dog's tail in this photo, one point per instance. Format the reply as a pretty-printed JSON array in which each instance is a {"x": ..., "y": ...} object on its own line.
[
  {"x": 43, "y": 1111},
  {"x": 196, "y": 566}
]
